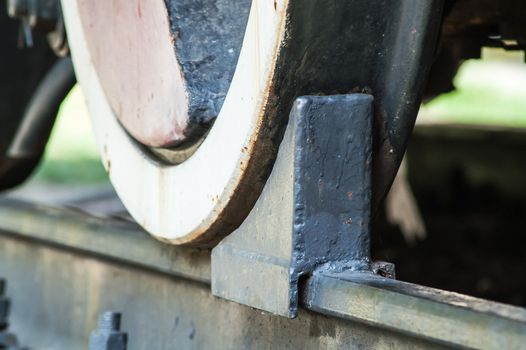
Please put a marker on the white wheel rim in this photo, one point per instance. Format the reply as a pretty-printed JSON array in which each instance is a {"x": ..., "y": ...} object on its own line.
[{"x": 180, "y": 203}]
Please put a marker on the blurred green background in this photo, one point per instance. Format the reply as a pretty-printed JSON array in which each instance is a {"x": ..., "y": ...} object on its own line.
[
  {"x": 489, "y": 91},
  {"x": 71, "y": 155}
]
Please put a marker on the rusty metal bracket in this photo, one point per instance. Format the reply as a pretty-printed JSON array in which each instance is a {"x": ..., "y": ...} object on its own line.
[{"x": 314, "y": 211}]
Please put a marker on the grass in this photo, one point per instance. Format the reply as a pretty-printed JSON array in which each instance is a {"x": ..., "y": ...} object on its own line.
[{"x": 489, "y": 91}]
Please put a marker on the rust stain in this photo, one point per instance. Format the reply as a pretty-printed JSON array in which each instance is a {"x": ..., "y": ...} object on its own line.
[
  {"x": 349, "y": 195},
  {"x": 107, "y": 165},
  {"x": 215, "y": 199},
  {"x": 106, "y": 159}
]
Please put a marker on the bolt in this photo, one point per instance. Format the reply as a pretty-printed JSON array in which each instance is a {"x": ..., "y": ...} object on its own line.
[
  {"x": 110, "y": 321},
  {"x": 108, "y": 336}
]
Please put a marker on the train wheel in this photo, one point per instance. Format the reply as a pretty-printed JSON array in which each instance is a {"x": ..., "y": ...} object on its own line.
[{"x": 189, "y": 99}]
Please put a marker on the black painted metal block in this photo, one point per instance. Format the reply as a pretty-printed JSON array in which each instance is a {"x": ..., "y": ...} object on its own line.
[{"x": 314, "y": 211}]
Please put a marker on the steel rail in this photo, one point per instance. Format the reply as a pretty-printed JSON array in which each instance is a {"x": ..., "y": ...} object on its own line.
[
  {"x": 444, "y": 317},
  {"x": 114, "y": 239}
]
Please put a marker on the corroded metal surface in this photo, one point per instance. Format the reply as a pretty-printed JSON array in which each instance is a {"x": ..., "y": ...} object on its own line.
[{"x": 208, "y": 37}]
